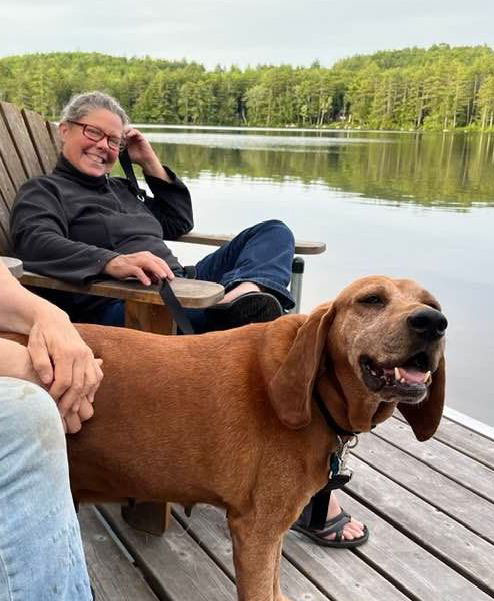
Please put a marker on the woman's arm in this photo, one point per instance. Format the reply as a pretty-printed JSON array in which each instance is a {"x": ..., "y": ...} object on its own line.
[
  {"x": 40, "y": 234},
  {"x": 171, "y": 203},
  {"x": 64, "y": 364}
]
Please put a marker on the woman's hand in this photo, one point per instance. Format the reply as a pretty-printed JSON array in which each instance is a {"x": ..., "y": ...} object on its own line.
[
  {"x": 142, "y": 153},
  {"x": 142, "y": 265},
  {"x": 63, "y": 362}
]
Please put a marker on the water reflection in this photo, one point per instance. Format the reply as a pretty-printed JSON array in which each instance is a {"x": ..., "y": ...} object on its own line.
[
  {"x": 405, "y": 205},
  {"x": 450, "y": 170}
]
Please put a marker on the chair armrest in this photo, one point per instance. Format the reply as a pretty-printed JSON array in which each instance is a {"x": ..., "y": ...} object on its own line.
[
  {"x": 195, "y": 294},
  {"x": 302, "y": 247},
  {"x": 13, "y": 265}
]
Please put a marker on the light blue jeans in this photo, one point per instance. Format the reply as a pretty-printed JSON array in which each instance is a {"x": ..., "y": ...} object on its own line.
[{"x": 41, "y": 555}]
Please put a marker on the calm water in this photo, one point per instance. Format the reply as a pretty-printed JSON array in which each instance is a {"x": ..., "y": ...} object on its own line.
[{"x": 408, "y": 205}]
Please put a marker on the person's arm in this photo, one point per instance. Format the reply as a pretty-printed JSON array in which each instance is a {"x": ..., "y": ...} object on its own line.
[
  {"x": 15, "y": 362},
  {"x": 171, "y": 203},
  {"x": 64, "y": 364},
  {"x": 40, "y": 231},
  {"x": 40, "y": 234}
]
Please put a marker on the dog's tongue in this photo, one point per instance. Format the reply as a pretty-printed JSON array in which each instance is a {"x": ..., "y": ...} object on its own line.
[
  {"x": 409, "y": 375},
  {"x": 412, "y": 376}
]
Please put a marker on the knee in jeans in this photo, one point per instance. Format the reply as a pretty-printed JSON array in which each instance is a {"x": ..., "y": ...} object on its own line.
[
  {"x": 33, "y": 413},
  {"x": 281, "y": 230}
]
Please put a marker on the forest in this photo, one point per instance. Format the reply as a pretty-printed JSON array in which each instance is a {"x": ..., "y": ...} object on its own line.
[{"x": 438, "y": 88}]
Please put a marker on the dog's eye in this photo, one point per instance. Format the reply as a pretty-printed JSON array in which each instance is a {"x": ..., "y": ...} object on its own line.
[
  {"x": 434, "y": 306},
  {"x": 371, "y": 299}
]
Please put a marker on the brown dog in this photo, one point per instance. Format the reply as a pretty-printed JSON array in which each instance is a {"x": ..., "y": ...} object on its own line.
[{"x": 229, "y": 418}]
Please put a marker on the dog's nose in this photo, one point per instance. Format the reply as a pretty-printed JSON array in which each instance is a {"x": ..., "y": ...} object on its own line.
[{"x": 428, "y": 323}]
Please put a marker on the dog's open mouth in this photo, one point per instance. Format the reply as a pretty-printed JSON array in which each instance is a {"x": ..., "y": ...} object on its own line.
[{"x": 408, "y": 380}]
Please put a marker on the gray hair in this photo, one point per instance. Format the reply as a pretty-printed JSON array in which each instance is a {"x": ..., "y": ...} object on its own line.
[{"x": 81, "y": 105}]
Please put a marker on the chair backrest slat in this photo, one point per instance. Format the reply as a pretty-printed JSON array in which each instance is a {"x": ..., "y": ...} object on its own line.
[
  {"x": 8, "y": 153},
  {"x": 7, "y": 194},
  {"x": 5, "y": 243},
  {"x": 7, "y": 189},
  {"x": 54, "y": 135},
  {"x": 22, "y": 141},
  {"x": 29, "y": 146},
  {"x": 41, "y": 139}
]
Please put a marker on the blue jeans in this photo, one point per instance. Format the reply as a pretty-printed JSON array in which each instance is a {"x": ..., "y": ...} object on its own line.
[
  {"x": 262, "y": 254},
  {"x": 41, "y": 555}
]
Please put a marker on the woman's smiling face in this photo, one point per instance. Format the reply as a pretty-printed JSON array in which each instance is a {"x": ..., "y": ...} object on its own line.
[{"x": 89, "y": 157}]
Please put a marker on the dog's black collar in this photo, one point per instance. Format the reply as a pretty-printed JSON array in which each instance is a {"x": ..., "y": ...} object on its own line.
[{"x": 328, "y": 418}]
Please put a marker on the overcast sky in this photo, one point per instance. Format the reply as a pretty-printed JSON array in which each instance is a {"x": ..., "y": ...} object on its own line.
[{"x": 241, "y": 32}]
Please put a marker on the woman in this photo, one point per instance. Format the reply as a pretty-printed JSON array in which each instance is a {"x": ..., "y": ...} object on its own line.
[
  {"x": 78, "y": 223},
  {"x": 55, "y": 377}
]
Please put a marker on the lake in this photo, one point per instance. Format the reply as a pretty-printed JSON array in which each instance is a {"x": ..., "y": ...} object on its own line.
[{"x": 401, "y": 204}]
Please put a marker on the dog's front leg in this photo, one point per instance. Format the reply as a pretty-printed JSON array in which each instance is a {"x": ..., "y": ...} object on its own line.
[
  {"x": 256, "y": 555},
  {"x": 277, "y": 594}
]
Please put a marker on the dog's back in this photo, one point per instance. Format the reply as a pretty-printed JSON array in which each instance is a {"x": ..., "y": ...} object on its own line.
[{"x": 174, "y": 415}]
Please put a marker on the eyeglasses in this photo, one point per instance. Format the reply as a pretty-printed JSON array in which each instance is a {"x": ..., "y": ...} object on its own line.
[{"x": 96, "y": 134}]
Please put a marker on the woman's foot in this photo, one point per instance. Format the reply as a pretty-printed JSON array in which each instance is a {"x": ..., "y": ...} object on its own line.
[
  {"x": 340, "y": 529},
  {"x": 243, "y": 305},
  {"x": 352, "y": 529},
  {"x": 239, "y": 290}
]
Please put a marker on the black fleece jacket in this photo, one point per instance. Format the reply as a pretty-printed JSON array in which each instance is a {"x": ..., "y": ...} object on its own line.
[{"x": 69, "y": 225}]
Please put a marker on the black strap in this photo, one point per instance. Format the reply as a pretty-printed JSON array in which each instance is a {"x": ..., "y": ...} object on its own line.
[
  {"x": 176, "y": 309},
  {"x": 320, "y": 501},
  {"x": 126, "y": 163},
  {"x": 319, "y": 509},
  {"x": 166, "y": 293}
]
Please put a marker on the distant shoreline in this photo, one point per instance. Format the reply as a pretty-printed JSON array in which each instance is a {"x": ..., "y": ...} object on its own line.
[
  {"x": 440, "y": 88},
  {"x": 288, "y": 128}
]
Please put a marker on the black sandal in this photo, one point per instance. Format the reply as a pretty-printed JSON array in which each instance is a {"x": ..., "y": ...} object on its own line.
[
  {"x": 333, "y": 526},
  {"x": 251, "y": 307}
]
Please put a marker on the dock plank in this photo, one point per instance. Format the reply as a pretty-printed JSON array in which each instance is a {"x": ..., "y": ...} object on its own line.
[
  {"x": 176, "y": 566},
  {"x": 308, "y": 572},
  {"x": 208, "y": 525},
  {"x": 462, "y": 504},
  {"x": 466, "y": 441},
  {"x": 443, "y": 536},
  {"x": 340, "y": 573},
  {"x": 448, "y": 461},
  {"x": 413, "y": 569},
  {"x": 112, "y": 576}
]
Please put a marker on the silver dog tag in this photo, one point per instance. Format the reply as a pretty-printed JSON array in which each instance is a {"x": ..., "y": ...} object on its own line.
[{"x": 344, "y": 472}]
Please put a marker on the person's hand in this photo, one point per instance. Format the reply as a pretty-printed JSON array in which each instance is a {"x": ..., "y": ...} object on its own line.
[
  {"x": 63, "y": 362},
  {"x": 144, "y": 266},
  {"x": 142, "y": 153},
  {"x": 72, "y": 422}
]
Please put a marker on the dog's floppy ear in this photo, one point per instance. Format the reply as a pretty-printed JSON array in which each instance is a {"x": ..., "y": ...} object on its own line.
[
  {"x": 425, "y": 417},
  {"x": 290, "y": 389}
]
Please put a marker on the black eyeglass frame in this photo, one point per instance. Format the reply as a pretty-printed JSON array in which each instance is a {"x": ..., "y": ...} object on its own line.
[{"x": 122, "y": 144}]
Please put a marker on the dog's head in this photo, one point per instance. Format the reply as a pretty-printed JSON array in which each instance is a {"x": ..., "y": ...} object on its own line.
[{"x": 378, "y": 345}]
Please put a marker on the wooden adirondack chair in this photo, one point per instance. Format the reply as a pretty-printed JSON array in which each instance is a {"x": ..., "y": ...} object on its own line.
[{"x": 29, "y": 146}]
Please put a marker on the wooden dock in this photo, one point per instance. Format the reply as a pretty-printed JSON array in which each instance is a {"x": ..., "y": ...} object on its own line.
[{"x": 429, "y": 507}]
